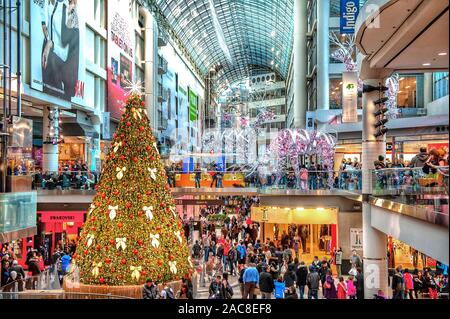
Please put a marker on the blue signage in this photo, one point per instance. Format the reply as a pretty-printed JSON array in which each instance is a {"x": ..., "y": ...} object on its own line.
[{"x": 349, "y": 13}]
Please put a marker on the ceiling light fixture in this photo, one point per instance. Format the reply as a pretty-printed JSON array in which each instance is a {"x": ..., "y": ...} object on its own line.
[
  {"x": 300, "y": 208},
  {"x": 273, "y": 49},
  {"x": 273, "y": 33},
  {"x": 442, "y": 53},
  {"x": 219, "y": 31},
  {"x": 320, "y": 209},
  {"x": 426, "y": 64}
]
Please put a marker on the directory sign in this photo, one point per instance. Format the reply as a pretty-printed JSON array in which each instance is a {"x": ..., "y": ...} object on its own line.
[{"x": 349, "y": 13}]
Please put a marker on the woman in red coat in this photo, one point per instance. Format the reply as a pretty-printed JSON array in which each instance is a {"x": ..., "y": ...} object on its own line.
[{"x": 342, "y": 289}]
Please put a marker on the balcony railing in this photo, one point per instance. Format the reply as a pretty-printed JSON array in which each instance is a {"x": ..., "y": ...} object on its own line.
[
  {"x": 17, "y": 211},
  {"x": 162, "y": 94}
]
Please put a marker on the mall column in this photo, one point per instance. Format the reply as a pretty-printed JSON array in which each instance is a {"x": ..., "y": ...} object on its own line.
[
  {"x": 150, "y": 73},
  {"x": 300, "y": 63},
  {"x": 50, "y": 151},
  {"x": 374, "y": 242},
  {"x": 323, "y": 55}
]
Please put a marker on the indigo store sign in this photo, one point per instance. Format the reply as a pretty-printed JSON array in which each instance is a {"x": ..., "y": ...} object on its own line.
[{"x": 349, "y": 13}]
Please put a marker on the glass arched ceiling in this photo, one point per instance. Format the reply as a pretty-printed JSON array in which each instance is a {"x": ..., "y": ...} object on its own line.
[{"x": 240, "y": 38}]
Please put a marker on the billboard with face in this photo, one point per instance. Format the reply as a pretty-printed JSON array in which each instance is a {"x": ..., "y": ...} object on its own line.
[
  {"x": 120, "y": 55},
  {"x": 57, "y": 32}
]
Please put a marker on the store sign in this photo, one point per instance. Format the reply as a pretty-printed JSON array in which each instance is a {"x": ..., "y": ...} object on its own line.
[
  {"x": 356, "y": 239},
  {"x": 193, "y": 105},
  {"x": 58, "y": 66},
  {"x": 310, "y": 121},
  {"x": 349, "y": 13},
  {"x": 265, "y": 215},
  {"x": 62, "y": 217},
  {"x": 120, "y": 55},
  {"x": 211, "y": 202},
  {"x": 350, "y": 97}
]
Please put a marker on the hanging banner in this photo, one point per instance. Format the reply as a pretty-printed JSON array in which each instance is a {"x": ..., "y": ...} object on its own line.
[
  {"x": 193, "y": 107},
  {"x": 349, "y": 13},
  {"x": 57, "y": 48},
  {"x": 349, "y": 97},
  {"x": 356, "y": 239},
  {"x": 310, "y": 121},
  {"x": 120, "y": 55},
  {"x": 106, "y": 129}
]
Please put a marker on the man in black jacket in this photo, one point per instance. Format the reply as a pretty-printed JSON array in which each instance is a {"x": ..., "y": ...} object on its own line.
[
  {"x": 302, "y": 273},
  {"x": 289, "y": 277},
  {"x": 215, "y": 289},
  {"x": 150, "y": 290},
  {"x": 266, "y": 285}
]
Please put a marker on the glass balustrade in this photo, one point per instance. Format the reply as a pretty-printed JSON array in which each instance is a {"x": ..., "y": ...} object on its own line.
[{"x": 17, "y": 211}]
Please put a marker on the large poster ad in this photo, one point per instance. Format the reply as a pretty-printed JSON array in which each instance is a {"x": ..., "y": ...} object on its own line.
[
  {"x": 120, "y": 55},
  {"x": 57, "y": 32}
]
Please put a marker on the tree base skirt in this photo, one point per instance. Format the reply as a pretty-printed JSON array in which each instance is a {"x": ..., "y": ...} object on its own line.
[{"x": 82, "y": 291}]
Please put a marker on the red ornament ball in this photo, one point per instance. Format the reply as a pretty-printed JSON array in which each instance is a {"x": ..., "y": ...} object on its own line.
[
  {"x": 135, "y": 159},
  {"x": 128, "y": 123},
  {"x": 128, "y": 205},
  {"x": 123, "y": 261},
  {"x": 113, "y": 269},
  {"x": 98, "y": 247},
  {"x": 101, "y": 280},
  {"x": 135, "y": 251},
  {"x": 119, "y": 224},
  {"x": 112, "y": 241},
  {"x": 141, "y": 129},
  {"x": 140, "y": 241},
  {"x": 86, "y": 252},
  {"x": 122, "y": 157}
]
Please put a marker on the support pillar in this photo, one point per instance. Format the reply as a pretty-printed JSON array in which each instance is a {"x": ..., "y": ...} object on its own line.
[
  {"x": 323, "y": 55},
  {"x": 374, "y": 242},
  {"x": 150, "y": 67},
  {"x": 50, "y": 151},
  {"x": 427, "y": 89},
  {"x": 300, "y": 63}
]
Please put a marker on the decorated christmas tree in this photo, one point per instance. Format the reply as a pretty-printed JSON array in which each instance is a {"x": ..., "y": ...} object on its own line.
[{"x": 132, "y": 230}]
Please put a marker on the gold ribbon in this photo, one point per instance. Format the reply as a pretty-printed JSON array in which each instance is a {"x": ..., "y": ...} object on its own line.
[
  {"x": 148, "y": 211},
  {"x": 174, "y": 212},
  {"x": 120, "y": 172},
  {"x": 121, "y": 243},
  {"x": 96, "y": 269},
  {"x": 155, "y": 240},
  {"x": 135, "y": 272},
  {"x": 136, "y": 113}
]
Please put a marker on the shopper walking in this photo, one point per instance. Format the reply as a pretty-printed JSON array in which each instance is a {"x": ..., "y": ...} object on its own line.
[
  {"x": 409, "y": 284},
  {"x": 398, "y": 284},
  {"x": 312, "y": 281},
  {"x": 359, "y": 284},
  {"x": 342, "y": 289},
  {"x": 251, "y": 280},
  {"x": 150, "y": 290},
  {"x": 330, "y": 288},
  {"x": 301, "y": 273},
  {"x": 351, "y": 289},
  {"x": 266, "y": 283}
]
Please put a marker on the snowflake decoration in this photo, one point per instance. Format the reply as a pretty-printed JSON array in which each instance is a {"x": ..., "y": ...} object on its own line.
[{"x": 134, "y": 87}]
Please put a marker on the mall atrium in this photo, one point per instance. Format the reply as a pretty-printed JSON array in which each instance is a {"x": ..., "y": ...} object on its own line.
[{"x": 224, "y": 149}]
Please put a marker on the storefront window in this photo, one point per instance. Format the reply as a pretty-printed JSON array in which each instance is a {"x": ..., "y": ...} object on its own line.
[
  {"x": 440, "y": 85},
  {"x": 410, "y": 94},
  {"x": 335, "y": 93}
]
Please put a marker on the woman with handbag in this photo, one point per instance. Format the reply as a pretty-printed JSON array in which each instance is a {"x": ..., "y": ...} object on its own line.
[{"x": 329, "y": 287}]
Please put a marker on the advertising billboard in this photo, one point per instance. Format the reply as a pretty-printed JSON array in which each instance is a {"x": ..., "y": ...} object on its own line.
[
  {"x": 57, "y": 33},
  {"x": 120, "y": 55},
  {"x": 349, "y": 97},
  {"x": 193, "y": 105}
]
